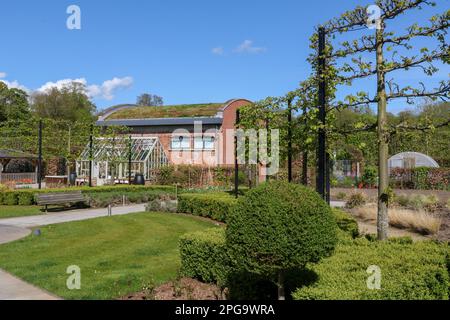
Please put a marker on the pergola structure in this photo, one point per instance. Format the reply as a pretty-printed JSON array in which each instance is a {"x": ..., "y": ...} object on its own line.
[{"x": 111, "y": 158}]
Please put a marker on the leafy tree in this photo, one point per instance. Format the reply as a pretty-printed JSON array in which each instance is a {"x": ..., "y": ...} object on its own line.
[
  {"x": 68, "y": 103},
  {"x": 13, "y": 103},
  {"x": 149, "y": 100},
  {"x": 356, "y": 66}
]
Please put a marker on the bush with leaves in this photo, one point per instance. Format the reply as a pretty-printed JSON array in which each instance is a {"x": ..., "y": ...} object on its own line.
[
  {"x": 279, "y": 226},
  {"x": 214, "y": 205},
  {"x": 370, "y": 176},
  {"x": 356, "y": 199},
  {"x": 410, "y": 271}
]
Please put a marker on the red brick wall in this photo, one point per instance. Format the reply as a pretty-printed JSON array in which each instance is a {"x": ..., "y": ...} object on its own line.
[{"x": 229, "y": 120}]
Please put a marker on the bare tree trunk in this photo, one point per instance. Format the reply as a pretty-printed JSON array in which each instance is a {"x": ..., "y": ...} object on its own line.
[
  {"x": 383, "y": 141},
  {"x": 281, "y": 294}
]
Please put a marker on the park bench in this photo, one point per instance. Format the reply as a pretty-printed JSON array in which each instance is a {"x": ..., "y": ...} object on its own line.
[{"x": 59, "y": 198}]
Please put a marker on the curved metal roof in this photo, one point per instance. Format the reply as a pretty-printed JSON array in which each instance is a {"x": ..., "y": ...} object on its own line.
[{"x": 421, "y": 160}]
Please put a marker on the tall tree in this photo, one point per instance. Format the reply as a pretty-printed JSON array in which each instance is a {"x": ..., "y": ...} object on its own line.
[
  {"x": 68, "y": 103},
  {"x": 13, "y": 103},
  {"x": 379, "y": 44},
  {"x": 149, "y": 100}
]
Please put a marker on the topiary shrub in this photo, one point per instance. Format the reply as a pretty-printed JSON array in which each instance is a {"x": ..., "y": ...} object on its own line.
[{"x": 279, "y": 226}]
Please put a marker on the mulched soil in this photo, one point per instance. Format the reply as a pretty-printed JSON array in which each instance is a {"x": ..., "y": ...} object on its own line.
[{"x": 183, "y": 289}]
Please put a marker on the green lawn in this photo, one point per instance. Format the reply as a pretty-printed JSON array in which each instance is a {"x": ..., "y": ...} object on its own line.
[
  {"x": 117, "y": 255},
  {"x": 19, "y": 211}
]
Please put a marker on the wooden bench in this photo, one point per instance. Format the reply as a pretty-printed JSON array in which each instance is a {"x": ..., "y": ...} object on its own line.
[{"x": 59, "y": 198}]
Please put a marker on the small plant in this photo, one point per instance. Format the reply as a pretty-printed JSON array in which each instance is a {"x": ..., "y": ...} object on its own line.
[
  {"x": 370, "y": 176},
  {"x": 423, "y": 202},
  {"x": 341, "y": 195},
  {"x": 402, "y": 200},
  {"x": 148, "y": 290},
  {"x": 356, "y": 199}
]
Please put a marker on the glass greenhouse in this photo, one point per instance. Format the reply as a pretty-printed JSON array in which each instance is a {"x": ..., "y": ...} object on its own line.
[{"x": 111, "y": 158}]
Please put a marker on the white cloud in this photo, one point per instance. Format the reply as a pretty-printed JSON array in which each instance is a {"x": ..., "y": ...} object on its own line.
[
  {"x": 16, "y": 85},
  {"x": 218, "y": 51},
  {"x": 248, "y": 47},
  {"x": 106, "y": 90},
  {"x": 109, "y": 87},
  {"x": 60, "y": 84}
]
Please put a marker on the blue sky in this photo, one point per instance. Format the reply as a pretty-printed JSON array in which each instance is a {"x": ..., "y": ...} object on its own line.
[{"x": 186, "y": 51}]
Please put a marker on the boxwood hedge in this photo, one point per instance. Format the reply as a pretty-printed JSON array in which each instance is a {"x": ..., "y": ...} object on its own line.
[
  {"x": 204, "y": 257},
  {"x": 215, "y": 205},
  {"x": 27, "y": 196},
  {"x": 409, "y": 271}
]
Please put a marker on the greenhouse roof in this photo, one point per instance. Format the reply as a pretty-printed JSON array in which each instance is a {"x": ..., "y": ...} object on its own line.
[{"x": 118, "y": 149}]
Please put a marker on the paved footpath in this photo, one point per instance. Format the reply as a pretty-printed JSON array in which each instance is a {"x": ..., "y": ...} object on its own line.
[{"x": 11, "y": 229}]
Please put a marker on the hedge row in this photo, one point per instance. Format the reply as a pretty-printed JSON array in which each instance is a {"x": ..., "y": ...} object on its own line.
[
  {"x": 27, "y": 196},
  {"x": 420, "y": 178},
  {"x": 211, "y": 205},
  {"x": 204, "y": 256},
  {"x": 346, "y": 222},
  {"x": 408, "y": 270}
]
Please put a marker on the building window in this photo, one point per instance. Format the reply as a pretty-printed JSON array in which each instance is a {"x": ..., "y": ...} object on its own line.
[
  {"x": 208, "y": 143},
  {"x": 180, "y": 142},
  {"x": 204, "y": 143}
]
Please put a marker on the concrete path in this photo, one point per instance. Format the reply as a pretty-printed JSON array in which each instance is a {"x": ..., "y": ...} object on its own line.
[
  {"x": 11, "y": 229},
  {"x": 75, "y": 215},
  {"x": 12, "y": 288},
  {"x": 11, "y": 233},
  {"x": 337, "y": 204}
]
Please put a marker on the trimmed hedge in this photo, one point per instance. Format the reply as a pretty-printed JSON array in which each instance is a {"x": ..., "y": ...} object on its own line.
[
  {"x": 211, "y": 205},
  {"x": 204, "y": 257},
  {"x": 27, "y": 196},
  {"x": 346, "y": 222},
  {"x": 278, "y": 226},
  {"x": 409, "y": 271}
]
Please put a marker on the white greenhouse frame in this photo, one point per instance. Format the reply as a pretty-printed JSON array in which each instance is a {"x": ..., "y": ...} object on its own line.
[{"x": 110, "y": 159}]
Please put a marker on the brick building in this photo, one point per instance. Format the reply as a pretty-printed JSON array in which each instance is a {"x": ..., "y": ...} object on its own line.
[{"x": 199, "y": 134}]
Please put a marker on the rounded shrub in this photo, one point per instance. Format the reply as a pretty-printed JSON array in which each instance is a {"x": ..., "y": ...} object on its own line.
[{"x": 279, "y": 226}]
